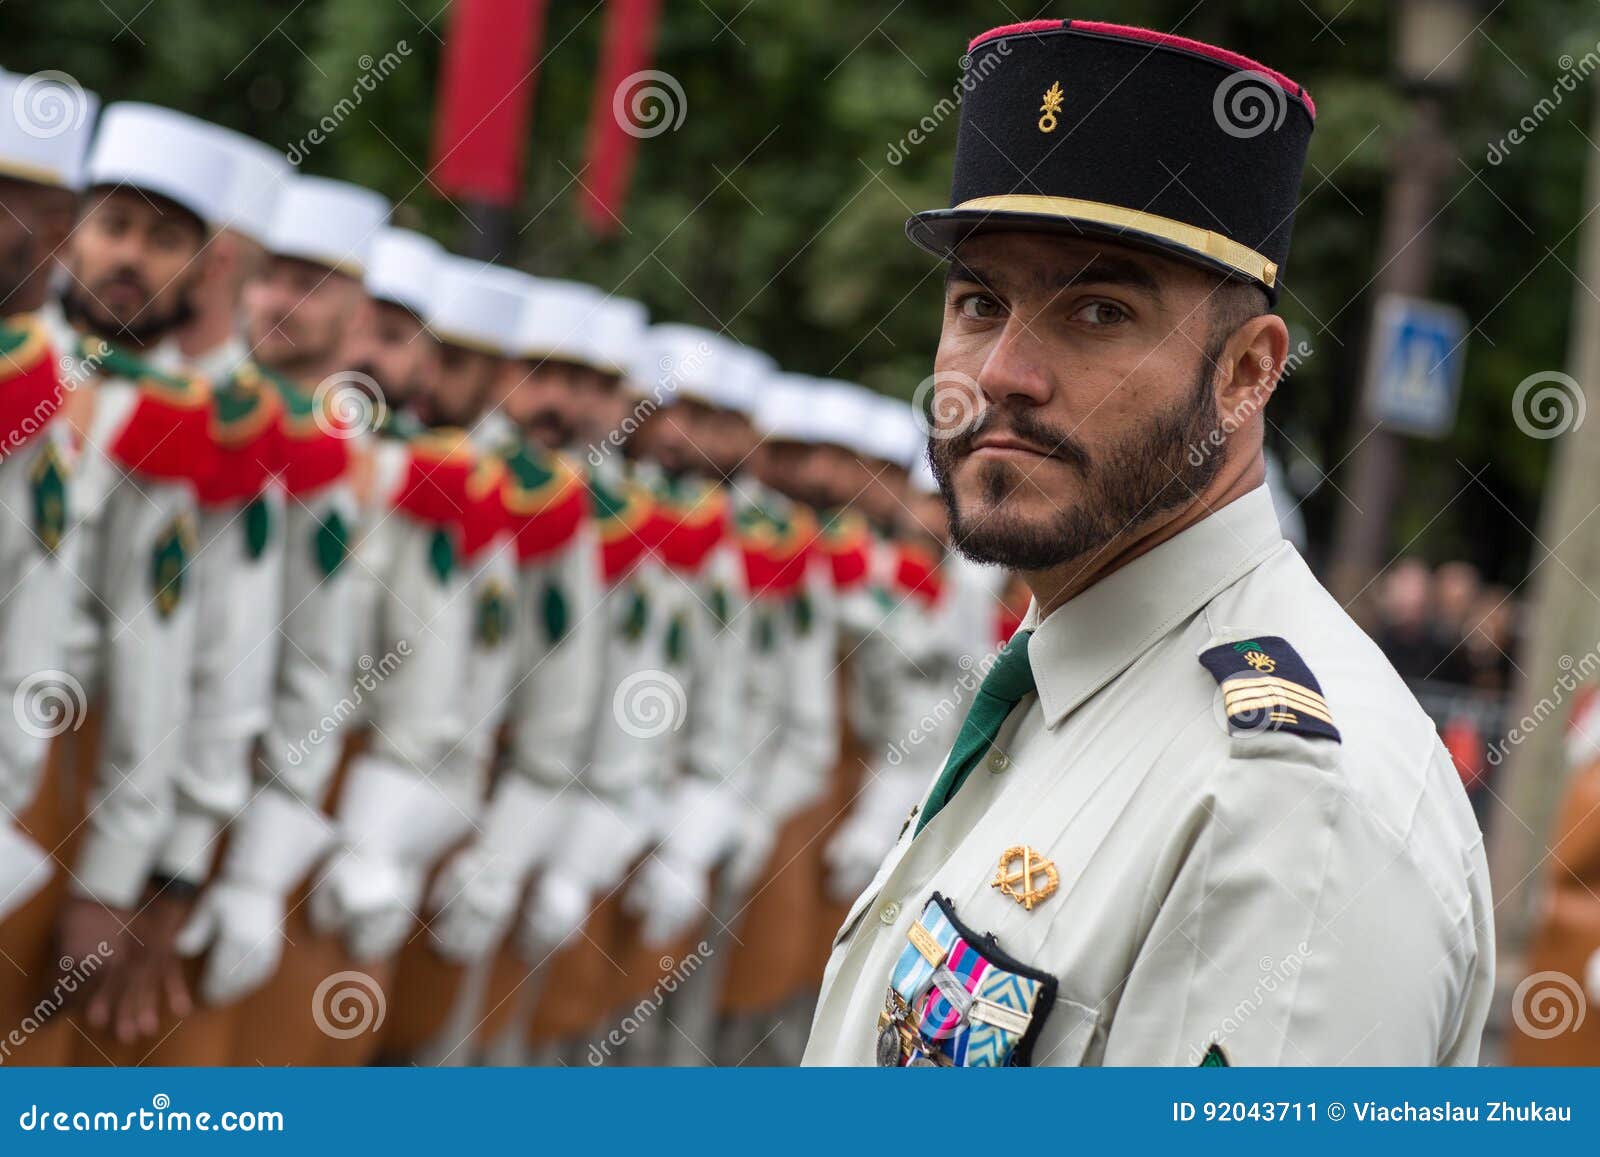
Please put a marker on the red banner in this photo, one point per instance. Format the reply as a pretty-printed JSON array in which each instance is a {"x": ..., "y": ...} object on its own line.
[
  {"x": 629, "y": 105},
  {"x": 485, "y": 99}
]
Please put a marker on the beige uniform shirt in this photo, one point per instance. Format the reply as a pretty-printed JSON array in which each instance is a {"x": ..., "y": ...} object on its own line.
[{"x": 1290, "y": 898}]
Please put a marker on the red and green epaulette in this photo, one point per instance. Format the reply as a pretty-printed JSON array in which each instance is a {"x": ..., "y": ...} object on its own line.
[
  {"x": 622, "y": 517},
  {"x": 776, "y": 550},
  {"x": 30, "y": 389},
  {"x": 688, "y": 523},
  {"x": 545, "y": 499},
  {"x": 246, "y": 425},
  {"x": 485, "y": 517},
  {"x": 917, "y": 574},
  {"x": 845, "y": 540},
  {"x": 168, "y": 433},
  {"x": 439, "y": 473},
  {"x": 315, "y": 440}
]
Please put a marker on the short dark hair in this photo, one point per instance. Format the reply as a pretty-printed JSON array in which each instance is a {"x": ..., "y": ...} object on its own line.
[{"x": 1232, "y": 304}]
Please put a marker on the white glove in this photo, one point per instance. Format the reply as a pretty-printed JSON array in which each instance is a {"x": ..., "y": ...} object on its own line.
[
  {"x": 672, "y": 892},
  {"x": 870, "y": 830},
  {"x": 274, "y": 843},
  {"x": 669, "y": 899},
  {"x": 759, "y": 837},
  {"x": 601, "y": 840},
  {"x": 24, "y": 869},
  {"x": 394, "y": 825},
  {"x": 475, "y": 895}
]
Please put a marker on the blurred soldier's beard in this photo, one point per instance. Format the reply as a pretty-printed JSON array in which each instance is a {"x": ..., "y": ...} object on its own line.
[
  {"x": 1148, "y": 472},
  {"x": 16, "y": 268},
  {"x": 146, "y": 327}
]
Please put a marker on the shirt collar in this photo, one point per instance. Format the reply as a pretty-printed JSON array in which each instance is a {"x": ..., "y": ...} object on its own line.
[{"x": 1087, "y": 642}]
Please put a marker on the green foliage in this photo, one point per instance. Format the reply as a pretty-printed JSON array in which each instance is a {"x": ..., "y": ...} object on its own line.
[{"x": 776, "y": 210}]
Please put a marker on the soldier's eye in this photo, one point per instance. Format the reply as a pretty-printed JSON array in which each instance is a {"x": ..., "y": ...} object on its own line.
[
  {"x": 978, "y": 306},
  {"x": 1101, "y": 313}
]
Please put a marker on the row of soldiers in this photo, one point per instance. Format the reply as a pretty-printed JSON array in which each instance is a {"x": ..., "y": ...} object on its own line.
[{"x": 415, "y": 660}]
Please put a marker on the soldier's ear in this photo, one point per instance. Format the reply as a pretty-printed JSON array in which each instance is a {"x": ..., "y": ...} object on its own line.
[{"x": 1251, "y": 362}]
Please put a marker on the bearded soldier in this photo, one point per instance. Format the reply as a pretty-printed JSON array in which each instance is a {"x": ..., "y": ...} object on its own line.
[{"x": 1188, "y": 760}]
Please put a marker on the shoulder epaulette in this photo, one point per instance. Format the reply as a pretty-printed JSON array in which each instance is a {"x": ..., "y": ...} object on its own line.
[
  {"x": 845, "y": 540},
  {"x": 30, "y": 389},
  {"x": 1266, "y": 686},
  {"x": 484, "y": 518},
  {"x": 545, "y": 499},
  {"x": 246, "y": 429},
  {"x": 689, "y": 523},
  {"x": 168, "y": 433},
  {"x": 622, "y": 516},
  {"x": 315, "y": 443},
  {"x": 440, "y": 466},
  {"x": 776, "y": 549},
  {"x": 916, "y": 574}
]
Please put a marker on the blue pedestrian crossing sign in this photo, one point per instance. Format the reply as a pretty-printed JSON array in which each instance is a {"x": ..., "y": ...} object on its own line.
[{"x": 1417, "y": 354}]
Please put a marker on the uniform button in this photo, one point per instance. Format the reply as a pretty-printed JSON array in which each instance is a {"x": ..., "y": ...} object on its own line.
[
  {"x": 890, "y": 912},
  {"x": 999, "y": 761}
]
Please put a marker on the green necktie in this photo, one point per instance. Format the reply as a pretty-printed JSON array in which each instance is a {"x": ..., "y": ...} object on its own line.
[{"x": 1007, "y": 681}]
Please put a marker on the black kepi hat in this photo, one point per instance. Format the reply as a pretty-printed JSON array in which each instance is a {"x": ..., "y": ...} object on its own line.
[{"x": 1139, "y": 137}]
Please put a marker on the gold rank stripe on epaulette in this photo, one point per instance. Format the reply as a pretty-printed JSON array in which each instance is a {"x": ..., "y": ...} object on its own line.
[
  {"x": 1271, "y": 692},
  {"x": 1266, "y": 686}
]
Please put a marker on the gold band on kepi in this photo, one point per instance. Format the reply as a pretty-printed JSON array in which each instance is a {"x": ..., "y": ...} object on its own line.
[{"x": 1214, "y": 246}]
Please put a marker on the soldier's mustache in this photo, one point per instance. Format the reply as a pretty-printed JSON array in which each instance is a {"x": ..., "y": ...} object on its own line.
[
  {"x": 1023, "y": 425},
  {"x": 128, "y": 277}
]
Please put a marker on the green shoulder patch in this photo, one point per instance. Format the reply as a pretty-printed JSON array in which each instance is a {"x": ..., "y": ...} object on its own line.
[
  {"x": 168, "y": 560},
  {"x": 637, "y": 615},
  {"x": 492, "y": 616},
  {"x": 677, "y": 640},
  {"x": 442, "y": 554},
  {"x": 554, "y": 606},
  {"x": 1266, "y": 686},
  {"x": 801, "y": 607},
  {"x": 49, "y": 484},
  {"x": 257, "y": 526},
  {"x": 331, "y": 543},
  {"x": 720, "y": 610}
]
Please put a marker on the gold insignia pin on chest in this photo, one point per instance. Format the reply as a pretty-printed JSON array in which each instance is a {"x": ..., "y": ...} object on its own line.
[{"x": 1025, "y": 876}]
